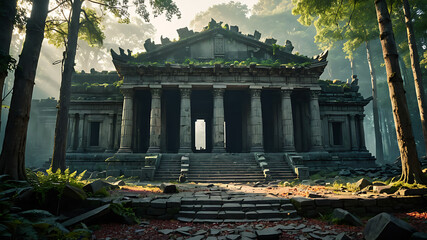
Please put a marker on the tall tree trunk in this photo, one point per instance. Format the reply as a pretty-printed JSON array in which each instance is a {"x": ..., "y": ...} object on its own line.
[
  {"x": 12, "y": 159},
  {"x": 411, "y": 169},
  {"x": 378, "y": 137},
  {"x": 416, "y": 71},
  {"x": 61, "y": 129},
  {"x": 7, "y": 19}
]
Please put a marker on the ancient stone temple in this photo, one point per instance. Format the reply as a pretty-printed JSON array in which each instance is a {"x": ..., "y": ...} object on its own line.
[{"x": 251, "y": 97}]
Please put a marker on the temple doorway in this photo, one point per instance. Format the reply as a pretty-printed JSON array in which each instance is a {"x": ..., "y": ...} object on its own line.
[
  {"x": 301, "y": 116},
  {"x": 142, "y": 108},
  {"x": 271, "y": 120},
  {"x": 236, "y": 107},
  {"x": 170, "y": 120},
  {"x": 201, "y": 120}
]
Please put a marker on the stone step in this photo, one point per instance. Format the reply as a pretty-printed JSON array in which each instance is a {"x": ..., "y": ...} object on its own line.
[{"x": 274, "y": 215}]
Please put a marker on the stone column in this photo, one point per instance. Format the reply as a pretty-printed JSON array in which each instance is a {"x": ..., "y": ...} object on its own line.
[
  {"x": 316, "y": 123},
  {"x": 218, "y": 121},
  {"x": 127, "y": 121},
  {"x": 256, "y": 121},
  {"x": 353, "y": 134},
  {"x": 185, "y": 122},
  {"x": 81, "y": 146},
  {"x": 117, "y": 131},
  {"x": 155, "y": 121},
  {"x": 361, "y": 132},
  {"x": 110, "y": 140},
  {"x": 71, "y": 127},
  {"x": 287, "y": 122}
]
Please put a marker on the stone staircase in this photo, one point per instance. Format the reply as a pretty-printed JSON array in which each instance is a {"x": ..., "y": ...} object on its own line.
[
  {"x": 224, "y": 168},
  {"x": 217, "y": 209},
  {"x": 279, "y": 168},
  {"x": 169, "y": 168}
]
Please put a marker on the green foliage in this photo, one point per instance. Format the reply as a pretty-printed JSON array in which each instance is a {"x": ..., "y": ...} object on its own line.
[
  {"x": 423, "y": 62},
  {"x": 221, "y": 61},
  {"x": 337, "y": 20},
  {"x": 42, "y": 183},
  {"x": 90, "y": 29},
  {"x": 31, "y": 224},
  {"x": 126, "y": 213}
]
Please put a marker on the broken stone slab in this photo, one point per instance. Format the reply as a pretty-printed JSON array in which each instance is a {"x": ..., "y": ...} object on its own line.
[
  {"x": 196, "y": 238},
  {"x": 90, "y": 216},
  {"x": 412, "y": 192},
  {"x": 73, "y": 193},
  {"x": 233, "y": 237},
  {"x": 383, "y": 189},
  {"x": 166, "y": 231},
  {"x": 342, "y": 236},
  {"x": 200, "y": 232},
  {"x": 268, "y": 234},
  {"x": 419, "y": 236},
  {"x": 346, "y": 217},
  {"x": 169, "y": 188},
  {"x": 247, "y": 235},
  {"x": 362, "y": 183},
  {"x": 385, "y": 226},
  {"x": 97, "y": 185}
]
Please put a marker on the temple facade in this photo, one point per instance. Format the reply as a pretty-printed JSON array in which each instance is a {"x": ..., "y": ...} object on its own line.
[{"x": 251, "y": 96}]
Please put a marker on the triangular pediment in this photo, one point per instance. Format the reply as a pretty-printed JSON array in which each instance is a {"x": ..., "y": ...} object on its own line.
[{"x": 216, "y": 42}]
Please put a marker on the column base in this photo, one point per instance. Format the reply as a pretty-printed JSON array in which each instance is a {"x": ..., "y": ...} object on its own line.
[
  {"x": 124, "y": 150},
  {"x": 257, "y": 149},
  {"x": 185, "y": 150},
  {"x": 218, "y": 150},
  {"x": 153, "y": 150},
  {"x": 80, "y": 150},
  {"x": 317, "y": 149},
  {"x": 288, "y": 149}
]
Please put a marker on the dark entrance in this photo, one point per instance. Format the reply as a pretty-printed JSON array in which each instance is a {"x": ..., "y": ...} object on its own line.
[
  {"x": 236, "y": 109},
  {"x": 202, "y": 110},
  {"x": 271, "y": 120},
  {"x": 170, "y": 120},
  {"x": 301, "y": 116},
  {"x": 142, "y": 108}
]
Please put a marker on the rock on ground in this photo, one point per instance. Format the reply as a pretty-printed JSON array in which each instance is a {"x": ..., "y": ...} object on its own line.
[{"x": 385, "y": 226}]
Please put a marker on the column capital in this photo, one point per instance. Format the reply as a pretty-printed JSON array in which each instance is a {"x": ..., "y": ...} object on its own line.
[
  {"x": 156, "y": 92},
  {"x": 185, "y": 92},
  {"x": 286, "y": 93},
  {"x": 256, "y": 93},
  {"x": 127, "y": 92},
  {"x": 314, "y": 94},
  {"x": 218, "y": 92}
]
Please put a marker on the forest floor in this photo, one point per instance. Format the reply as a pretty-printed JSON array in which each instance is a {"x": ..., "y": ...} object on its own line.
[{"x": 320, "y": 227}]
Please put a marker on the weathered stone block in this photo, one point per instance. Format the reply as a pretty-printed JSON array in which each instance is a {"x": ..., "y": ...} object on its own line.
[
  {"x": 367, "y": 202},
  {"x": 155, "y": 211},
  {"x": 207, "y": 214},
  {"x": 159, "y": 203},
  {"x": 173, "y": 202},
  {"x": 302, "y": 202},
  {"x": 346, "y": 217},
  {"x": 141, "y": 202},
  {"x": 322, "y": 202}
]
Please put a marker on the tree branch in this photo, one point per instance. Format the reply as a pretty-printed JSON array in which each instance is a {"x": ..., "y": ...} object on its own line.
[{"x": 57, "y": 6}]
